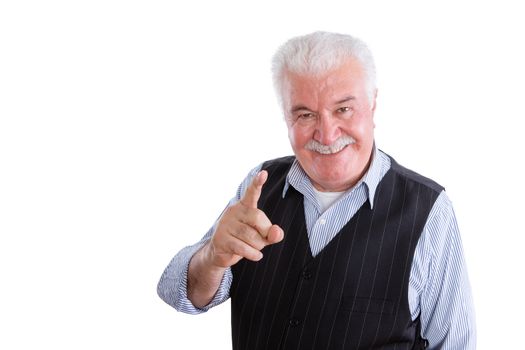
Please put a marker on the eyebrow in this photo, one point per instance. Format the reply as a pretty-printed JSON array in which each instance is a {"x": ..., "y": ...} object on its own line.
[
  {"x": 299, "y": 108},
  {"x": 304, "y": 108},
  {"x": 346, "y": 99}
]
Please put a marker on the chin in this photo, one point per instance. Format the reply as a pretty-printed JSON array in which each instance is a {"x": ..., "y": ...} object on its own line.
[
  {"x": 341, "y": 177},
  {"x": 329, "y": 182}
]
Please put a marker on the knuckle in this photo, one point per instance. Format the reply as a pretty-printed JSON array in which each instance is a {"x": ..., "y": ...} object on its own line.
[{"x": 246, "y": 232}]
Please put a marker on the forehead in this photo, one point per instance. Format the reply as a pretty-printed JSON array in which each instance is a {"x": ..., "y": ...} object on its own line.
[{"x": 348, "y": 78}]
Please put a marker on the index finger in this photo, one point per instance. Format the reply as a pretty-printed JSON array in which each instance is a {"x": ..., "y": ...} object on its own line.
[{"x": 253, "y": 192}]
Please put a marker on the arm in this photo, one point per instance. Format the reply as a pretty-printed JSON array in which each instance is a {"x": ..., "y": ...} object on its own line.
[
  {"x": 447, "y": 312},
  {"x": 199, "y": 277}
]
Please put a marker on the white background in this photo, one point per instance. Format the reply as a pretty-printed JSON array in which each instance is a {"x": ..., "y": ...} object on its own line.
[{"x": 126, "y": 126}]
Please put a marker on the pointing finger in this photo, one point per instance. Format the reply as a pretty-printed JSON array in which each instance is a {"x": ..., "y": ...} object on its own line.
[{"x": 253, "y": 192}]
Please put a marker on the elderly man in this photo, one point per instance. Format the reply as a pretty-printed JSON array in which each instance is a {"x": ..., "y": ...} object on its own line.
[{"x": 339, "y": 246}]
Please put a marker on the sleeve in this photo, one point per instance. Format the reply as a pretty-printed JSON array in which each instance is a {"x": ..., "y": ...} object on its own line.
[
  {"x": 445, "y": 301},
  {"x": 172, "y": 287}
]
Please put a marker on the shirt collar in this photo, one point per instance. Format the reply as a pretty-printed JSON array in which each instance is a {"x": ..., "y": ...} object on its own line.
[{"x": 379, "y": 165}]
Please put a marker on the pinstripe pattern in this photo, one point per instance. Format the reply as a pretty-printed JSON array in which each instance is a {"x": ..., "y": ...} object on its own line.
[
  {"x": 377, "y": 264},
  {"x": 396, "y": 240},
  {"x": 438, "y": 282}
]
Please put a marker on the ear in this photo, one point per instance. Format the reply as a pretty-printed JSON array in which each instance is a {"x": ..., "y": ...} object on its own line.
[
  {"x": 373, "y": 102},
  {"x": 373, "y": 108}
]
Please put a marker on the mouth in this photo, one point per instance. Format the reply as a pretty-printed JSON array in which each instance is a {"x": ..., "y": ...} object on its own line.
[
  {"x": 336, "y": 147},
  {"x": 332, "y": 150}
]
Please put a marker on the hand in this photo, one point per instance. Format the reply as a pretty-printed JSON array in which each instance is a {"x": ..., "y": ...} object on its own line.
[{"x": 243, "y": 230}]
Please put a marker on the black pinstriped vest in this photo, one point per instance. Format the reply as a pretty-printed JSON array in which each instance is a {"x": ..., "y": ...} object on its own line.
[{"x": 354, "y": 293}]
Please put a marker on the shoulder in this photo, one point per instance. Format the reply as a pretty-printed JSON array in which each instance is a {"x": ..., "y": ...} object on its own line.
[{"x": 414, "y": 177}]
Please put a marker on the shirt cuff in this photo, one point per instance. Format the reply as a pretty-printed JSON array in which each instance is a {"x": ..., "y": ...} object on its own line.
[
  {"x": 172, "y": 287},
  {"x": 222, "y": 294}
]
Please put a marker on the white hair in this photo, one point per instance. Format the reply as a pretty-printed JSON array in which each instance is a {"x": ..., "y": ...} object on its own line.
[{"x": 319, "y": 52}]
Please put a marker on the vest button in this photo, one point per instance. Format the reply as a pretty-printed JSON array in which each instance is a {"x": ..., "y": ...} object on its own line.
[
  {"x": 294, "y": 322},
  {"x": 307, "y": 274}
]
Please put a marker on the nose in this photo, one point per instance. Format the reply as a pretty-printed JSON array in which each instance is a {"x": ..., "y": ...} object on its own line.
[{"x": 327, "y": 130}]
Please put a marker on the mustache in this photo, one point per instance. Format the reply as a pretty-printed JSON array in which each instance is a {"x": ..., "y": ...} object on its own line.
[{"x": 335, "y": 147}]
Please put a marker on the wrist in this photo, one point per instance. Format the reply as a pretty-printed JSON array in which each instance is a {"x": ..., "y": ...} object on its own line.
[{"x": 203, "y": 263}]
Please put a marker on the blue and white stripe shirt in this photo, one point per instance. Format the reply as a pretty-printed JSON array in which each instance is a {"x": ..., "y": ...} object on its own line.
[{"x": 439, "y": 289}]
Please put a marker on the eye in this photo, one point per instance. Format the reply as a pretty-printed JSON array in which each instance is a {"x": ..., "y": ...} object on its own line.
[
  {"x": 306, "y": 116},
  {"x": 344, "y": 112}
]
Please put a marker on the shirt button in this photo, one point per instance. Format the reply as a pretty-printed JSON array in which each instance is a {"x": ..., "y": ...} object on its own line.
[
  {"x": 294, "y": 322},
  {"x": 307, "y": 274},
  {"x": 322, "y": 221}
]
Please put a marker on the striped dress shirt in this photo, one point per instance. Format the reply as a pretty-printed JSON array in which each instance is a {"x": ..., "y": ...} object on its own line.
[{"x": 439, "y": 289}]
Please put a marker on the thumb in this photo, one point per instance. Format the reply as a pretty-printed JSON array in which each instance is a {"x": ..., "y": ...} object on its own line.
[{"x": 253, "y": 192}]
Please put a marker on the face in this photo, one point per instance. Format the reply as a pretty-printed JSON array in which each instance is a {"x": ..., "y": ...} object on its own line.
[{"x": 330, "y": 125}]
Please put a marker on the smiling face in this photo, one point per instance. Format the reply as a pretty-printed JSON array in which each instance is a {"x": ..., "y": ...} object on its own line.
[{"x": 330, "y": 125}]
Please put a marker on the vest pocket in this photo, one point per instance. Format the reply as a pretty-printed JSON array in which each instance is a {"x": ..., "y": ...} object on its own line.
[{"x": 367, "y": 305}]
